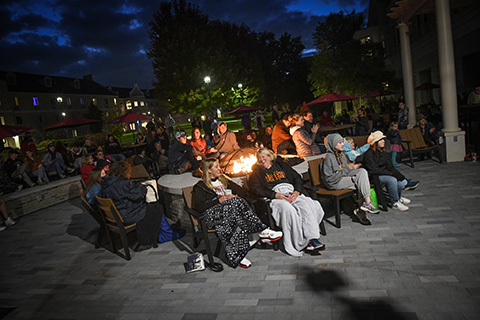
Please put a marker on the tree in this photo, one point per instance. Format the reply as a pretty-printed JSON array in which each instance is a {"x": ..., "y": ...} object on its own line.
[
  {"x": 343, "y": 64},
  {"x": 96, "y": 114}
]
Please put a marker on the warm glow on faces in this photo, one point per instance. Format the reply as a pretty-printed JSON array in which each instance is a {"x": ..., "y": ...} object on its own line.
[
  {"x": 215, "y": 171},
  {"x": 381, "y": 143},
  {"x": 268, "y": 130},
  {"x": 222, "y": 128},
  {"x": 352, "y": 144},
  {"x": 309, "y": 117},
  {"x": 339, "y": 146},
  {"x": 264, "y": 160},
  {"x": 197, "y": 134},
  {"x": 300, "y": 122}
]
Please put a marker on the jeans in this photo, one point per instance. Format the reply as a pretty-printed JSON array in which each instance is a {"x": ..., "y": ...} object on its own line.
[
  {"x": 56, "y": 165},
  {"x": 394, "y": 187}
]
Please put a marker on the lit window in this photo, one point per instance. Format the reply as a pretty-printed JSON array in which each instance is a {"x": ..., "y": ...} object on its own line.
[
  {"x": 135, "y": 103},
  {"x": 128, "y": 104},
  {"x": 94, "y": 101},
  {"x": 35, "y": 101},
  {"x": 142, "y": 103},
  {"x": 16, "y": 101},
  {"x": 59, "y": 99},
  {"x": 115, "y": 101},
  {"x": 69, "y": 101}
]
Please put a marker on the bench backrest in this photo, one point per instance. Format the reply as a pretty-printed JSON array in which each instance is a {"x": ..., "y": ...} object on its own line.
[
  {"x": 414, "y": 136},
  {"x": 314, "y": 171},
  {"x": 360, "y": 140}
]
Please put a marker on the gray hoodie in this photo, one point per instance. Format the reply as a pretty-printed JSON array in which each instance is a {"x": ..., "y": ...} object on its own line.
[{"x": 330, "y": 170}]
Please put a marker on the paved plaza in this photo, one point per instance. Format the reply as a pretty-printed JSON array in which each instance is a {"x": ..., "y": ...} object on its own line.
[{"x": 420, "y": 264}]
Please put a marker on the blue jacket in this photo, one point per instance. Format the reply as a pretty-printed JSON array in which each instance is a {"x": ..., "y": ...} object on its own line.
[{"x": 353, "y": 154}]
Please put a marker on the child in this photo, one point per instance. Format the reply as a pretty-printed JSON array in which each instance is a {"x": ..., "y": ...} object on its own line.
[
  {"x": 395, "y": 142},
  {"x": 351, "y": 152}
]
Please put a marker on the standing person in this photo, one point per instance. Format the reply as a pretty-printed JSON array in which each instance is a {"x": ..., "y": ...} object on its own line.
[
  {"x": 246, "y": 121},
  {"x": 28, "y": 143},
  {"x": 281, "y": 139},
  {"x": 229, "y": 214},
  {"x": 304, "y": 142},
  {"x": 113, "y": 148},
  {"x": 379, "y": 163},
  {"x": 395, "y": 138},
  {"x": 180, "y": 155},
  {"x": 170, "y": 123},
  {"x": 260, "y": 122},
  {"x": 298, "y": 215},
  {"x": 338, "y": 174},
  {"x": 402, "y": 116},
  {"x": 36, "y": 167},
  {"x": 474, "y": 96},
  {"x": 275, "y": 116},
  {"x": 207, "y": 126},
  {"x": 8, "y": 221},
  {"x": 361, "y": 123},
  {"x": 53, "y": 161},
  {"x": 225, "y": 141},
  {"x": 196, "y": 123}
]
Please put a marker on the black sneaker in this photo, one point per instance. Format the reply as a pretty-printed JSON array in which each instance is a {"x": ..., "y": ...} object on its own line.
[
  {"x": 411, "y": 185},
  {"x": 362, "y": 217},
  {"x": 315, "y": 245}
]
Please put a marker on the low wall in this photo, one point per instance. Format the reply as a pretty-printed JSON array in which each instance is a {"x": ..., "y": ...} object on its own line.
[{"x": 32, "y": 199}]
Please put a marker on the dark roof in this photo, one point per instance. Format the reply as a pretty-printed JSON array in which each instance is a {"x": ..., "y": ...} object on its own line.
[
  {"x": 35, "y": 83},
  {"x": 125, "y": 92}
]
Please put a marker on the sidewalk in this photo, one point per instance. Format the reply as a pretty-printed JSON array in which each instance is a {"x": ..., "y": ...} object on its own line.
[{"x": 419, "y": 264}]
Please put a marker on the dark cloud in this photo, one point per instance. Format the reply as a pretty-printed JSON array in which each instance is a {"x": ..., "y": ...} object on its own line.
[{"x": 109, "y": 38}]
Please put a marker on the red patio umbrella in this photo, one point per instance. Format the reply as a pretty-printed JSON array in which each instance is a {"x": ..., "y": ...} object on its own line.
[
  {"x": 427, "y": 86},
  {"x": 378, "y": 93},
  {"x": 130, "y": 117},
  {"x": 70, "y": 122},
  {"x": 243, "y": 109},
  {"x": 7, "y": 131},
  {"x": 331, "y": 97}
]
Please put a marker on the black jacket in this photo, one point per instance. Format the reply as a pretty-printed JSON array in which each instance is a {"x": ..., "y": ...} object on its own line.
[
  {"x": 380, "y": 164},
  {"x": 258, "y": 185},
  {"x": 205, "y": 198}
]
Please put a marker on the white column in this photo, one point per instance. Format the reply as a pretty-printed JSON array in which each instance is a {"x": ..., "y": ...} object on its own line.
[
  {"x": 407, "y": 70},
  {"x": 454, "y": 137}
]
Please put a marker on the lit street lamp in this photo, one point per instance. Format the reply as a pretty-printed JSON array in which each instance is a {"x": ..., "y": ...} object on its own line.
[
  {"x": 240, "y": 86},
  {"x": 207, "y": 81}
]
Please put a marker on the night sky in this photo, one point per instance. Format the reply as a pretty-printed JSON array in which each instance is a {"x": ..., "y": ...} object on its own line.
[{"x": 109, "y": 39}]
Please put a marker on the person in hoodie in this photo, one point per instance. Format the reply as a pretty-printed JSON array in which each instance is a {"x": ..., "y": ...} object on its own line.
[
  {"x": 53, "y": 161},
  {"x": 129, "y": 199},
  {"x": 352, "y": 153},
  {"x": 304, "y": 142},
  {"x": 338, "y": 174},
  {"x": 224, "y": 141}
]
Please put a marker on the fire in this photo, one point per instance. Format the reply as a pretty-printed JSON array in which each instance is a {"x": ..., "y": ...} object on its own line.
[{"x": 244, "y": 164}]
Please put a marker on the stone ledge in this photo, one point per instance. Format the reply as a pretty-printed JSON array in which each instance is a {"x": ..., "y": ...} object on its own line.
[{"x": 32, "y": 199}]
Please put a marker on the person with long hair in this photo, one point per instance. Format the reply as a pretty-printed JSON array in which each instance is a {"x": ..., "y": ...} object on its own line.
[
  {"x": 337, "y": 173},
  {"x": 199, "y": 145},
  {"x": 304, "y": 142},
  {"x": 395, "y": 138},
  {"x": 378, "y": 162},
  {"x": 87, "y": 167},
  {"x": 93, "y": 186},
  {"x": 292, "y": 209},
  {"x": 229, "y": 213}
]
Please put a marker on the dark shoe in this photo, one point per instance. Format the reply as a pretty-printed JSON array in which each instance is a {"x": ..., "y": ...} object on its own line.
[
  {"x": 411, "y": 185},
  {"x": 144, "y": 247},
  {"x": 362, "y": 217},
  {"x": 315, "y": 245}
]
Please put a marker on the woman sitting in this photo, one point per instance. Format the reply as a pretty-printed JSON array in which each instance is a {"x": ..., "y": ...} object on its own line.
[
  {"x": 338, "y": 174},
  {"x": 304, "y": 142},
  {"x": 93, "y": 186},
  {"x": 199, "y": 145},
  {"x": 378, "y": 162},
  {"x": 129, "y": 199},
  {"x": 228, "y": 214},
  {"x": 297, "y": 214},
  {"x": 87, "y": 167}
]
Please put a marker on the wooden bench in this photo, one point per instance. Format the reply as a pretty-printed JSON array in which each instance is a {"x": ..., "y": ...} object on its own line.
[{"x": 414, "y": 144}]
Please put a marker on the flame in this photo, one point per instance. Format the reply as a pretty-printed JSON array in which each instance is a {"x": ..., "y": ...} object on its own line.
[{"x": 244, "y": 164}]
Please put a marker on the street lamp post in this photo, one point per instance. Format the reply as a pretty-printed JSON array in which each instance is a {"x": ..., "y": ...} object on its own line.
[
  {"x": 240, "y": 86},
  {"x": 207, "y": 81}
]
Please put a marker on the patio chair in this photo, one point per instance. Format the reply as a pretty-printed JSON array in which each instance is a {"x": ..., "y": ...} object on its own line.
[
  {"x": 101, "y": 222},
  {"x": 200, "y": 230}
]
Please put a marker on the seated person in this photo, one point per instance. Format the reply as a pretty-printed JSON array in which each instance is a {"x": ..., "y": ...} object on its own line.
[
  {"x": 53, "y": 161},
  {"x": 100, "y": 155},
  {"x": 181, "y": 157},
  {"x": 93, "y": 186},
  {"x": 28, "y": 143},
  {"x": 304, "y": 142},
  {"x": 16, "y": 169},
  {"x": 199, "y": 145},
  {"x": 142, "y": 158},
  {"x": 159, "y": 156},
  {"x": 89, "y": 147},
  {"x": 229, "y": 214},
  {"x": 224, "y": 141},
  {"x": 344, "y": 117},
  {"x": 282, "y": 142},
  {"x": 298, "y": 215},
  {"x": 35, "y": 167},
  {"x": 378, "y": 162},
  {"x": 338, "y": 174},
  {"x": 266, "y": 138},
  {"x": 427, "y": 129},
  {"x": 162, "y": 136},
  {"x": 128, "y": 197},
  {"x": 326, "y": 120},
  {"x": 308, "y": 121},
  {"x": 87, "y": 167},
  {"x": 140, "y": 139},
  {"x": 352, "y": 153},
  {"x": 113, "y": 148},
  {"x": 8, "y": 221},
  {"x": 75, "y": 155},
  {"x": 251, "y": 140},
  {"x": 361, "y": 123}
]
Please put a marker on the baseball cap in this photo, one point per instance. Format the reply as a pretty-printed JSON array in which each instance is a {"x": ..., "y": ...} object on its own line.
[{"x": 180, "y": 134}]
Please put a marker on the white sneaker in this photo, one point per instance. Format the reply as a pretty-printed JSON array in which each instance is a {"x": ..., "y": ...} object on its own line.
[
  {"x": 245, "y": 263},
  {"x": 405, "y": 200},
  {"x": 270, "y": 234},
  {"x": 399, "y": 206},
  {"x": 2, "y": 228},
  {"x": 9, "y": 222}
]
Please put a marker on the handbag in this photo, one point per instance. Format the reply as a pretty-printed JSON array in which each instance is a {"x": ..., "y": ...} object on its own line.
[{"x": 152, "y": 191}]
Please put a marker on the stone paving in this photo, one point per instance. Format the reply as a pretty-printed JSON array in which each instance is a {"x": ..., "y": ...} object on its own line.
[{"x": 420, "y": 264}]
